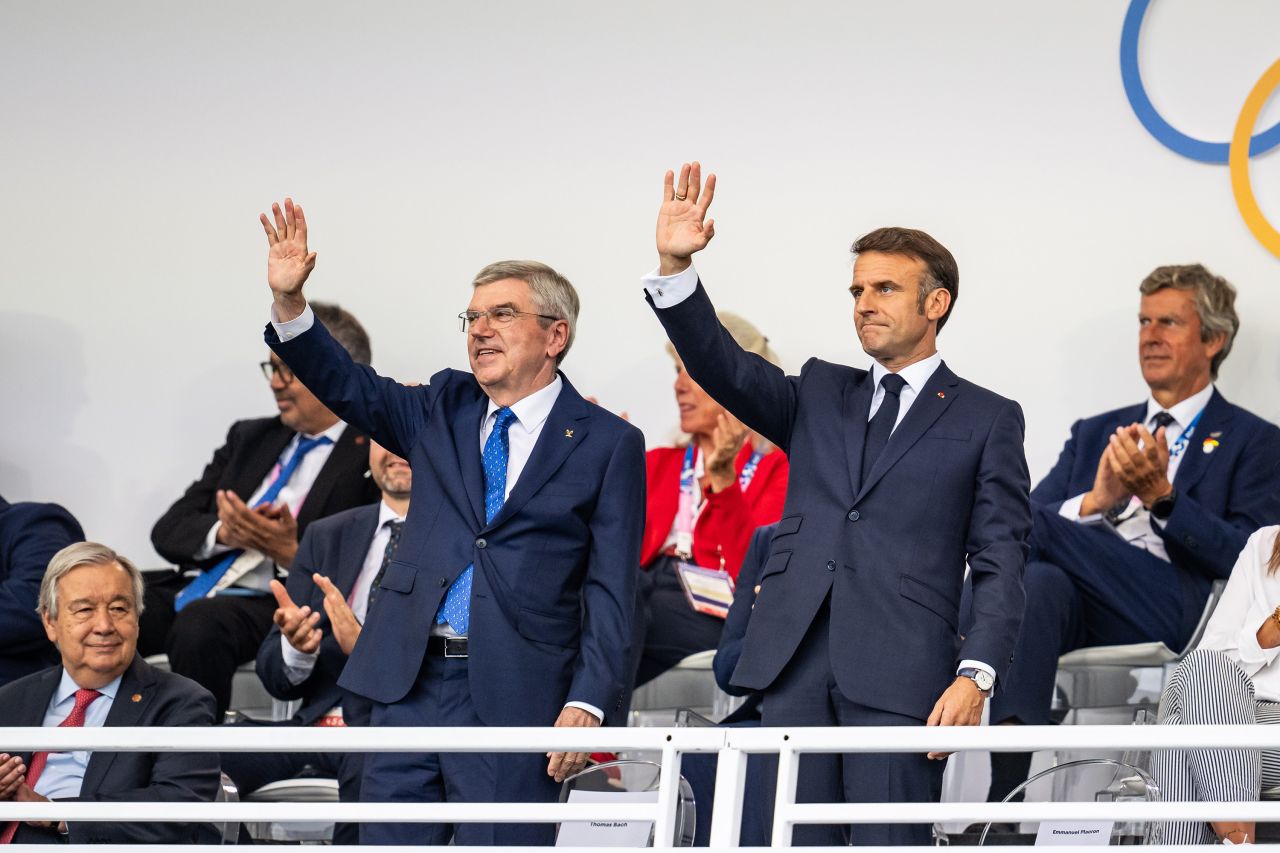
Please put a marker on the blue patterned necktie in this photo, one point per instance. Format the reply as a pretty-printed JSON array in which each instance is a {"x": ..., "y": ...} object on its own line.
[
  {"x": 456, "y": 609},
  {"x": 205, "y": 582}
]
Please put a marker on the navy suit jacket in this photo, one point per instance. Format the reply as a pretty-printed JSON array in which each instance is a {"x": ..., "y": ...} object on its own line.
[
  {"x": 735, "y": 624},
  {"x": 163, "y": 699},
  {"x": 1223, "y": 496},
  {"x": 30, "y": 534},
  {"x": 554, "y": 586},
  {"x": 336, "y": 547},
  {"x": 887, "y": 547}
]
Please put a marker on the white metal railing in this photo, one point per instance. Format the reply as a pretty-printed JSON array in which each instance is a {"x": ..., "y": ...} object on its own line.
[{"x": 731, "y": 744}]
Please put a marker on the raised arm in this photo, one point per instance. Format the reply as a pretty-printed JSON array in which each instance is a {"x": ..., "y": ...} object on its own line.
[{"x": 753, "y": 390}]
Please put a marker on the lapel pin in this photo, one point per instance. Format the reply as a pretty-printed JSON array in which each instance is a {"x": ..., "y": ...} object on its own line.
[
  {"x": 1210, "y": 444},
  {"x": 137, "y": 697},
  {"x": 942, "y": 395},
  {"x": 568, "y": 433},
  {"x": 360, "y": 439},
  {"x": 1217, "y": 434}
]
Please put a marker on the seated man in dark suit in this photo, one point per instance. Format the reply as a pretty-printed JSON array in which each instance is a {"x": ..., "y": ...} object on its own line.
[
  {"x": 30, "y": 534},
  {"x": 336, "y": 571},
  {"x": 89, "y": 603},
  {"x": 237, "y": 527},
  {"x": 1146, "y": 506}
]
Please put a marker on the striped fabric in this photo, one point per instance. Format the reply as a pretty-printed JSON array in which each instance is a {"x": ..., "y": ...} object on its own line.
[{"x": 1208, "y": 688}]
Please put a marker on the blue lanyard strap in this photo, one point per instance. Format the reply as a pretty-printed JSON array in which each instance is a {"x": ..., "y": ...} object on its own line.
[{"x": 1180, "y": 443}]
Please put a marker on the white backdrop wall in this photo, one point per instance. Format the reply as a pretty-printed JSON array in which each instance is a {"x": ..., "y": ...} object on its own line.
[{"x": 141, "y": 139}]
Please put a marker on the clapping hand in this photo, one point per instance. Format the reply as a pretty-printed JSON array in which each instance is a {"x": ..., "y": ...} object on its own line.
[
  {"x": 346, "y": 627},
  {"x": 12, "y": 774},
  {"x": 270, "y": 528},
  {"x": 683, "y": 227},
  {"x": 297, "y": 624},
  {"x": 288, "y": 261},
  {"x": 1144, "y": 470}
]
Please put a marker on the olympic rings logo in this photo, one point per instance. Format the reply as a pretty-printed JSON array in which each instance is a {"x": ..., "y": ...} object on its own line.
[{"x": 1235, "y": 154}]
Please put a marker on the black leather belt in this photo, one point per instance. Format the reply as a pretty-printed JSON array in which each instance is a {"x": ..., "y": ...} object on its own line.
[{"x": 449, "y": 647}]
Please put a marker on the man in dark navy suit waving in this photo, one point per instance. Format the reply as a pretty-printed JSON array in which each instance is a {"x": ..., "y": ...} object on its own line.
[
  {"x": 899, "y": 475},
  {"x": 509, "y": 600}
]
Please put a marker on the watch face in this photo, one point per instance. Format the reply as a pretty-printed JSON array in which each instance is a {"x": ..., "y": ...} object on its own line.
[{"x": 983, "y": 679}]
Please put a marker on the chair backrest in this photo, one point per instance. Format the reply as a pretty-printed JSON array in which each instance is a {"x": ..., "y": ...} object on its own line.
[
  {"x": 1094, "y": 779},
  {"x": 1210, "y": 604},
  {"x": 633, "y": 776}
]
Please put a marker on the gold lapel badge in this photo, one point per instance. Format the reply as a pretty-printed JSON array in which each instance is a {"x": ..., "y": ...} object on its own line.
[
  {"x": 1210, "y": 444},
  {"x": 568, "y": 433},
  {"x": 137, "y": 697}
]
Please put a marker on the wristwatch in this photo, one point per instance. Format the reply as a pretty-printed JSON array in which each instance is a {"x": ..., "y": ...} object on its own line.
[
  {"x": 981, "y": 677},
  {"x": 1162, "y": 508}
]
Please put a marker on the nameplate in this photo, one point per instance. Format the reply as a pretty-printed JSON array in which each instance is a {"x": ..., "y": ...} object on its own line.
[
  {"x": 607, "y": 833},
  {"x": 1074, "y": 833}
]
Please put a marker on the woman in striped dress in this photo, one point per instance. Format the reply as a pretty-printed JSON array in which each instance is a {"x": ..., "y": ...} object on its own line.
[{"x": 1233, "y": 676}]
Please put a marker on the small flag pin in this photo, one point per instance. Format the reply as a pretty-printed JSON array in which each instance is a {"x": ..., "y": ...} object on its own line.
[{"x": 942, "y": 395}]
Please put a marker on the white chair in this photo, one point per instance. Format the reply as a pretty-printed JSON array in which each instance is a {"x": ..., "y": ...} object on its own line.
[
  {"x": 690, "y": 684},
  {"x": 294, "y": 791}
]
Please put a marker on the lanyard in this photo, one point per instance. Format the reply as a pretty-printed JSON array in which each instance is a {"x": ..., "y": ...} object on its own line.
[
  {"x": 1180, "y": 444},
  {"x": 690, "y": 505}
]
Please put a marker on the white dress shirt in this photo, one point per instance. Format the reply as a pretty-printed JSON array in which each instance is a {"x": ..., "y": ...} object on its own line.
[
  {"x": 1249, "y": 600},
  {"x": 63, "y": 773},
  {"x": 1139, "y": 529},
  {"x": 299, "y": 665},
  {"x": 293, "y": 494},
  {"x": 667, "y": 291},
  {"x": 531, "y": 415}
]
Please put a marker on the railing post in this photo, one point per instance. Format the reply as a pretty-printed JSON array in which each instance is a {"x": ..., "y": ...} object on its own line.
[
  {"x": 785, "y": 796},
  {"x": 731, "y": 777},
  {"x": 668, "y": 796}
]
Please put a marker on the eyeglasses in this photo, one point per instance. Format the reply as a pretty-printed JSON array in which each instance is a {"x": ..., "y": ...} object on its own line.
[
  {"x": 271, "y": 370},
  {"x": 499, "y": 318}
]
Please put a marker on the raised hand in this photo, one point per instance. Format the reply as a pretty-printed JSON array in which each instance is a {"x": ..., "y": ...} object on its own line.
[
  {"x": 297, "y": 624},
  {"x": 346, "y": 627},
  {"x": 683, "y": 227},
  {"x": 726, "y": 440},
  {"x": 288, "y": 261}
]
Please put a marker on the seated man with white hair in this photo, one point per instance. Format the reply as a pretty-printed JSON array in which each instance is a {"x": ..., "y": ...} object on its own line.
[{"x": 89, "y": 603}]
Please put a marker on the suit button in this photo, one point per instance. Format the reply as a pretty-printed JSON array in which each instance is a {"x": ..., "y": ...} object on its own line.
[
  {"x": 854, "y": 515},
  {"x": 444, "y": 581},
  {"x": 831, "y": 565},
  {"x": 480, "y": 543}
]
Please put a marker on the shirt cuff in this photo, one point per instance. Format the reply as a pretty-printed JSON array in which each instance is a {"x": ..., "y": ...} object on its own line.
[
  {"x": 670, "y": 290},
  {"x": 290, "y": 330},
  {"x": 1070, "y": 510},
  {"x": 211, "y": 547},
  {"x": 590, "y": 709},
  {"x": 976, "y": 664},
  {"x": 297, "y": 665},
  {"x": 1253, "y": 657}
]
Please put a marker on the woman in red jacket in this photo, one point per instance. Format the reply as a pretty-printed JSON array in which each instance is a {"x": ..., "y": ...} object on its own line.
[{"x": 704, "y": 500}]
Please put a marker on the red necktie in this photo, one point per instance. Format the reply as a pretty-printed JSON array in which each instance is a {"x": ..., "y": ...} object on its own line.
[{"x": 38, "y": 760}]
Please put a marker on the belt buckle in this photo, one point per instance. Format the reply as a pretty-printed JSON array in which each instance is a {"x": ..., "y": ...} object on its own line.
[{"x": 455, "y": 641}]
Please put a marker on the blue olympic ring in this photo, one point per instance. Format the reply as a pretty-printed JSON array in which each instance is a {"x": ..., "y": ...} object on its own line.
[{"x": 1165, "y": 133}]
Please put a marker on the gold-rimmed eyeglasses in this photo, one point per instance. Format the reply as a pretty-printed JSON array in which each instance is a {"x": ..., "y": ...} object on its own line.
[{"x": 499, "y": 318}]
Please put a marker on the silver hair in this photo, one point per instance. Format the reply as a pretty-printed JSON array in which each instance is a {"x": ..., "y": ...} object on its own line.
[
  {"x": 83, "y": 554},
  {"x": 553, "y": 295},
  {"x": 1215, "y": 302}
]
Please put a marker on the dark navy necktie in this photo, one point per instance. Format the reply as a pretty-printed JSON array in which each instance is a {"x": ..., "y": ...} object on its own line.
[
  {"x": 396, "y": 526},
  {"x": 456, "y": 609},
  {"x": 882, "y": 423}
]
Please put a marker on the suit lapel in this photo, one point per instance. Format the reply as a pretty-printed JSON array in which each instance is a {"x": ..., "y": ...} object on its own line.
[
  {"x": 466, "y": 446},
  {"x": 930, "y": 402},
  {"x": 1214, "y": 423},
  {"x": 262, "y": 458},
  {"x": 355, "y": 545},
  {"x": 138, "y": 681},
  {"x": 345, "y": 454},
  {"x": 34, "y": 703},
  {"x": 857, "y": 403},
  {"x": 565, "y": 429}
]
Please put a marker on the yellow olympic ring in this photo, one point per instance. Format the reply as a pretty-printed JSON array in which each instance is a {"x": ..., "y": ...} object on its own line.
[{"x": 1238, "y": 161}]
